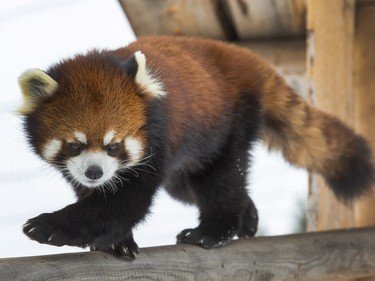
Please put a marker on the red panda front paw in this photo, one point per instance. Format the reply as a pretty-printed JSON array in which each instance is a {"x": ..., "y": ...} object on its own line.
[
  {"x": 208, "y": 236},
  {"x": 126, "y": 249},
  {"x": 48, "y": 229}
]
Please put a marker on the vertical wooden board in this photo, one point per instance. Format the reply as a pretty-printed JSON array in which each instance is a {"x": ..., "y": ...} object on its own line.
[
  {"x": 330, "y": 87},
  {"x": 268, "y": 18},
  {"x": 364, "y": 80},
  {"x": 174, "y": 17}
]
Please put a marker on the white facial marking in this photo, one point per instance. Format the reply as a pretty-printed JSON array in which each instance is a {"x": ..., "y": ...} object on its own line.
[
  {"x": 146, "y": 79},
  {"x": 134, "y": 148},
  {"x": 51, "y": 149},
  {"x": 78, "y": 165},
  {"x": 108, "y": 137},
  {"x": 81, "y": 137}
]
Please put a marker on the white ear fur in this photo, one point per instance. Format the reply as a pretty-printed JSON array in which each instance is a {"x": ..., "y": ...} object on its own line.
[
  {"x": 35, "y": 85},
  {"x": 146, "y": 79}
]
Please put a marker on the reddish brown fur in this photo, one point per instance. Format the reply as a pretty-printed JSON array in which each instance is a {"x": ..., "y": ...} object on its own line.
[
  {"x": 184, "y": 65},
  {"x": 79, "y": 113},
  {"x": 203, "y": 80},
  {"x": 303, "y": 143}
]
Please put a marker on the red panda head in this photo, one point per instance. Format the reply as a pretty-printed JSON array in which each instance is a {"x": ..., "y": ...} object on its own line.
[{"x": 86, "y": 115}]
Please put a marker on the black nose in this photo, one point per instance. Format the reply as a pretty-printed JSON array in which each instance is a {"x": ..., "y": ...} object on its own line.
[{"x": 94, "y": 172}]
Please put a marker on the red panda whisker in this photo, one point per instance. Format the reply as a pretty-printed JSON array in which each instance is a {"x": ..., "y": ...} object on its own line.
[
  {"x": 148, "y": 156},
  {"x": 120, "y": 179},
  {"x": 111, "y": 185},
  {"x": 144, "y": 170},
  {"x": 101, "y": 190},
  {"x": 73, "y": 181},
  {"x": 135, "y": 173},
  {"x": 146, "y": 165},
  {"x": 125, "y": 167}
]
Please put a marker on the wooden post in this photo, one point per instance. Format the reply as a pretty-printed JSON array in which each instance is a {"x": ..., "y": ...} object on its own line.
[
  {"x": 330, "y": 87},
  {"x": 334, "y": 255},
  {"x": 364, "y": 80},
  {"x": 341, "y": 72}
]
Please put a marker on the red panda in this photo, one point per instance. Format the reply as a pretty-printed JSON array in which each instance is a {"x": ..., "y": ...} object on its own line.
[{"x": 181, "y": 113}]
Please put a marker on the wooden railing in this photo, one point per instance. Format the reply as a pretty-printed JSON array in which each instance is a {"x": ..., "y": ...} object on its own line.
[{"x": 333, "y": 255}]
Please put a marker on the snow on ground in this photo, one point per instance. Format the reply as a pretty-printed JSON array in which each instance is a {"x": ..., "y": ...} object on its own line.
[{"x": 36, "y": 33}]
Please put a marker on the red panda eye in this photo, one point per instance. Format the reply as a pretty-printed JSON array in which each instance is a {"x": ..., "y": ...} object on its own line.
[
  {"x": 75, "y": 147},
  {"x": 113, "y": 147}
]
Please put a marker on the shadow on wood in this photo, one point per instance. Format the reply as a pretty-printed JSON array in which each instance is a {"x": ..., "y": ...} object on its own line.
[{"x": 333, "y": 255}]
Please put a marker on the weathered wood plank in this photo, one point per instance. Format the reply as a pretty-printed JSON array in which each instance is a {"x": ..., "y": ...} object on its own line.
[
  {"x": 364, "y": 80},
  {"x": 255, "y": 19},
  {"x": 220, "y": 19},
  {"x": 330, "y": 86},
  {"x": 335, "y": 255},
  {"x": 149, "y": 17}
]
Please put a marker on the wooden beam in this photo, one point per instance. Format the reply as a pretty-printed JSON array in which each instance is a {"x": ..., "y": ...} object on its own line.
[
  {"x": 220, "y": 19},
  {"x": 330, "y": 87},
  {"x": 173, "y": 17},
  {"x": 335, "y": 255},
  {"x": 260, "y": 19}
]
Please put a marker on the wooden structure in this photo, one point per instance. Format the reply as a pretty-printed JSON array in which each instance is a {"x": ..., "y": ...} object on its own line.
[
  {"x": 330, "y": 79},
  {"x": 335, "y": 255},
  {"x": 341, "y": 72},
  {"x": 220, "y": 19}
]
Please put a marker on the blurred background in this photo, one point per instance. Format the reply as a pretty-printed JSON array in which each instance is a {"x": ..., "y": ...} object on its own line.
[{"x": 36, "y": 33}]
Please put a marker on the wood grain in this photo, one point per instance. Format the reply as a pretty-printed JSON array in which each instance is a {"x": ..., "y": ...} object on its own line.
[
  {"x": 335, "y": 255},
  {"x": 260, "y": 19},
  {"x": 364, "y": 81},
  {"x": 149, "y": 17},
  {"x": 246, "y": 19},
  {"x": 330, "y": 86}
]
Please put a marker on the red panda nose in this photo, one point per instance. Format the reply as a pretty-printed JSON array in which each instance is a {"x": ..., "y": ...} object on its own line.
[{"x": 94, "y": 172}]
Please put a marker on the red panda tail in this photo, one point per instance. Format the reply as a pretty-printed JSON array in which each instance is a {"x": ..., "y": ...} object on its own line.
[{"x": 316, "y": 141}]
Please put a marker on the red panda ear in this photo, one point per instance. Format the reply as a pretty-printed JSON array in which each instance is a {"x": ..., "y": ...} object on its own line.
[
  {"x": 150, "y": 84},
  {"x": 35, "y": 85},
  {"x": 130, "y": 66}
]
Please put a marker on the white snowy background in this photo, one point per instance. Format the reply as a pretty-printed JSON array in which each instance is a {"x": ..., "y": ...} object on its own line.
[{"x": 35, "y": 33}]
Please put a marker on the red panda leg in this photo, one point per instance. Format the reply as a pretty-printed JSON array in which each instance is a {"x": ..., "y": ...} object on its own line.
[
  {"x": 220, "y": 190},
  {"x": 104, "y": 223},
  {"x": 248, "y": 224},
  {"x": 225, "y": 207},
  {"x": 177, "y": 186}
]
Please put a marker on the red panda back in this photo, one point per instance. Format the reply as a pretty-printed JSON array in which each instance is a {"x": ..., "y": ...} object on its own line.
[{"x": 307, "y": 137}]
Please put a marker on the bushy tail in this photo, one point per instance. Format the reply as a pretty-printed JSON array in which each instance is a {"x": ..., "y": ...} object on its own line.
[{"x": 316, "y": 141}]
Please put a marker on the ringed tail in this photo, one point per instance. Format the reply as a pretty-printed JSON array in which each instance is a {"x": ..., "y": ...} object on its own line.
[{"x": 317, "y": 141}]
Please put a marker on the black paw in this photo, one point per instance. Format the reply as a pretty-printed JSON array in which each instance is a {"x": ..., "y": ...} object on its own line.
[
  {"x": 48, "y": 229},
  {"x": 248, "y": 224},
  {"x": 127, "y": 249},
  {"x": 207, "y": 237}
]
